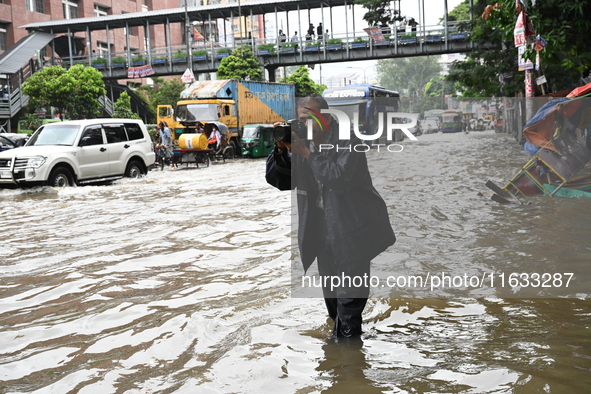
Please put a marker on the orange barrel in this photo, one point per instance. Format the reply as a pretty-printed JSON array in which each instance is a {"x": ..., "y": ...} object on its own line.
[{"x": 193, "y": 141}]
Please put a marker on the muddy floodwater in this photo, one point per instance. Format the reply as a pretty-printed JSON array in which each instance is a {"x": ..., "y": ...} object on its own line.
[{"x": 180, "y": 282}]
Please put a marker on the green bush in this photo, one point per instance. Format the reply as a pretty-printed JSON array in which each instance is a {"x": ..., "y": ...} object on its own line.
[
  {"x": 100, "y": 60},
  {"x": 139, "y": 58},
  {"x": 201, "y": 52},
  {"x": 333, "y": 41},
  {"x": 180, "y": 54},
  {"x": 267, "y": 47},
  {"x": 359, "y": 39},
  {"x": 119, "y": 59},
  {"x": 313, "y": 44},
  {"x": 223, "y": 50},
  {"x": 287, "y": 45}
]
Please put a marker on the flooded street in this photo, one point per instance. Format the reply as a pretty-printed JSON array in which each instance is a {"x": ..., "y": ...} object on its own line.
[{"x": 180, "y": 282}]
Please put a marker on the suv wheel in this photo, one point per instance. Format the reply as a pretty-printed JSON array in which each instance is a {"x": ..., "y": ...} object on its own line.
[
  {"x": 60, "y": 177},
  {"x": 134, "y": 169}
]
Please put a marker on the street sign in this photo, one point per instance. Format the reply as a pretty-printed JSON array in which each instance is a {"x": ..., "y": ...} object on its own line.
[
  {"x": 188, "y": 76},
  {"x": 541, "y": 80}
]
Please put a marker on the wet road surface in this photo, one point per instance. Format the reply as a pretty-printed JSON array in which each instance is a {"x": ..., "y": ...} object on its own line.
[{"x": 180, "y": 283}]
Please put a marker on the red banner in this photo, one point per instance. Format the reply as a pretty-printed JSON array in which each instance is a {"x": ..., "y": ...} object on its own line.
[
  {"x": 524, "y": 30},
  {"x": 376, "y": 34}
]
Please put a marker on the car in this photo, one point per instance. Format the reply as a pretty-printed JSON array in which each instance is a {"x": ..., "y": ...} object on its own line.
[
  {"x": 14, "y": 140},
  {"x": 80, "y": 152},
  {"x": 430, "y": 125},
  {"x": 11, "y": 141}
]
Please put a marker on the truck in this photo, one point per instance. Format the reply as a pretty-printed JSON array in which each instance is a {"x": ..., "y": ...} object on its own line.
[{"x": 233, "y": 102}]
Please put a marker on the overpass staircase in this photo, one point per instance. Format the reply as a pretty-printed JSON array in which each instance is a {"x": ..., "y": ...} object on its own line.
[{"x": 15, "y": 100}]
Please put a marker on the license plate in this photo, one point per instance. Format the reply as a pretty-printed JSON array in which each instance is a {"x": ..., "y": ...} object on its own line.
[{"x": 5, "y": 175}]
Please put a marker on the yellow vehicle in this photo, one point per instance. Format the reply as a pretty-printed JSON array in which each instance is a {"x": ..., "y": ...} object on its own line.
[{"x": 229, "y": 101}]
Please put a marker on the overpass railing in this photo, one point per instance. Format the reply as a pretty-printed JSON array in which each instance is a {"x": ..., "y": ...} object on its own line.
[{"x": 205, "y": 56}]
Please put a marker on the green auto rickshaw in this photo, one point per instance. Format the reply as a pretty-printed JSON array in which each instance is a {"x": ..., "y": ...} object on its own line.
[{"x": 257, "y": 140}]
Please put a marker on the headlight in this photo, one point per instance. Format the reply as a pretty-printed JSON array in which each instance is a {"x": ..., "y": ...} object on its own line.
[{"x": 36, "y": 162}]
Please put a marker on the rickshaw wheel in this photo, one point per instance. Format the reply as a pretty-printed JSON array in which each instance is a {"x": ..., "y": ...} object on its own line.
[{"x": 229, "y": 152}]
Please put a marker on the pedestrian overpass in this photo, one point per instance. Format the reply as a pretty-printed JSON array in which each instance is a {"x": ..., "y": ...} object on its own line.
[{"x": 205, "y": 56}]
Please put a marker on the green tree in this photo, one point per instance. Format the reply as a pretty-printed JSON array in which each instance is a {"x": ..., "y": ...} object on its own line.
[
  {"x": 460, "y": 13},
  {"x": 75, "y": 91},
  {"x": 305, "y": 86},
  {"x": 565, "y": 26},
  {"x": 379, "y": 12},
  {"x": 492, "y": 69},
  {"x": 162, "y": 92},
  {"x": 241, "y": 64},
  {"x": 123, "y": 107},
  {"x": 436, "y": 85},
  {"x": 409, "y": 76}
]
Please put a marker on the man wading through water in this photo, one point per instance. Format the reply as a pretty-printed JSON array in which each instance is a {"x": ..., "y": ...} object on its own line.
[{"x": 342, "y": 220}]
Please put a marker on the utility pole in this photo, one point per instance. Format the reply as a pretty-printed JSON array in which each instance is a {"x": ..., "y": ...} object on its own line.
[
  {"x": 240, "y": 19},
  {"x": 188, "y": 30}
]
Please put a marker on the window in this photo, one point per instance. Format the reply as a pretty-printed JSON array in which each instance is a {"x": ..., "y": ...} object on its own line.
[
  {"x": 115, "y": 133},
  {"x": 100, "y": 11},
  {"x": 3, "y": 39},
  {"x": 134, "y": 131},
  {"x": 268, "y": 136},
  {"x": 70, "y": 9},
  {"x": 34, "y": 5},
  {"x": 102, "y": 49},
  {"x": 92, "y": 136}
]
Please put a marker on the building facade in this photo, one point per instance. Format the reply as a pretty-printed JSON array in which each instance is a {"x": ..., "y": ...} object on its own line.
[{"x": 17, "y": 13}]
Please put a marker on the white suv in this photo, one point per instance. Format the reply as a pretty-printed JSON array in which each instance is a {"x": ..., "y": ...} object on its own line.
[{"x": 80, "y": 152}]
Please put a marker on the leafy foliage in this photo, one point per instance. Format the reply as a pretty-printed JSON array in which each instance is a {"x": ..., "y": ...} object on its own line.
[
  {"x": 436, "y": 86},
  {"x": 408, "y": 76},
  {"x": 565, "y": 25},
  {"x": 492, "y": 70},
  {"x": 460, "y": 13},
  {"x": 379, "y": 12},
  {"x": 75, "y": 91},
  {"x": 305, "y": 86},
  {"x": 162, "y": 92},
  {"x": 123, "y": 107},
  {"x": 494, "y": 60},
  {"x": 241, "y": 64},
  {"x": 33, "y": 122}
]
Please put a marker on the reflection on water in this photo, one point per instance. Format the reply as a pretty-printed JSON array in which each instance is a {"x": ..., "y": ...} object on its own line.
[{"x": 179, "y": 283}]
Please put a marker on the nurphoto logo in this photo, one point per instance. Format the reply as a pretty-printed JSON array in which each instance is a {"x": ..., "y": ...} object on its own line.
[{"x": 392, "y": 120}]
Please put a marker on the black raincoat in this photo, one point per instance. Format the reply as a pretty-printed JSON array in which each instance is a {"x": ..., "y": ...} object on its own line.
[{"x": 357, "y": 224}]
